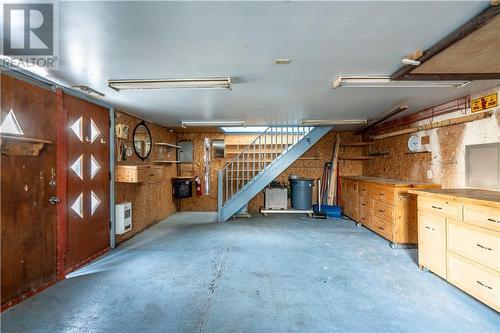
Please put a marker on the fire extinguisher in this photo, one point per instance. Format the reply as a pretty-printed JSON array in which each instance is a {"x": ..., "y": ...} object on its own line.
[{"x": 197, "y": 182}]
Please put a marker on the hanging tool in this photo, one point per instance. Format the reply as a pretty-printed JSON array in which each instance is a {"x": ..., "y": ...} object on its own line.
[{"x": 332, "y": 186}]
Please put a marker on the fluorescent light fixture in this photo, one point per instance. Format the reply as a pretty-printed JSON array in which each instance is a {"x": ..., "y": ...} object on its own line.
[
  {"x": 323, "y": 122},
  {"x": 248, "y": 129},
  {"x": 194, "y": 83},
  {"x": 386, "y": 82},
  {"x": 282, "y": 61},
  {"x": 212, "y": 123},
  {"x": 88, "y": 90},
  {"x": 407, "y": 61}
]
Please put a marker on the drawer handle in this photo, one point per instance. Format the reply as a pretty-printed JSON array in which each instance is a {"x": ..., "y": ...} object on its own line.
[
  {"x": 485, "y": 247},
  {"x": 382, "y": 194},
  {"x": 381, "y": 228},
  {"x": 426, "y": 227},
  {"x": 436, "y": 207},
  {"x": 493, "y": 220},
  {"x": 484, "y": 285},
  {"x": 363, "y": 204},
  {"x": 381, "y": 210}
]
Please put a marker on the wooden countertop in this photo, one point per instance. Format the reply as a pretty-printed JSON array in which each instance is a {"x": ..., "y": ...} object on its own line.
[
  {"x": 466, "y": 195},
  {"x": 392, "y": 182}
]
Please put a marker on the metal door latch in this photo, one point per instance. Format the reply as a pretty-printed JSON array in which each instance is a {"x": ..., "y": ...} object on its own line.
[{"x": 54, "y": 200}]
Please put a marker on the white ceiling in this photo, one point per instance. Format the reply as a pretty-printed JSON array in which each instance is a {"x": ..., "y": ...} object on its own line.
[{"x": 104, "y": 40}]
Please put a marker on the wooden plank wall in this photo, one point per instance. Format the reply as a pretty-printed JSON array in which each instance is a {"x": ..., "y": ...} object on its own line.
[
  {"x": 304, "y": 168},
  {"x": 151, "y": 202}
]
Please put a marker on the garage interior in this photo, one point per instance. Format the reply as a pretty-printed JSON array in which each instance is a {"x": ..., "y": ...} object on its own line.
[{"x": 252, "y": 167}]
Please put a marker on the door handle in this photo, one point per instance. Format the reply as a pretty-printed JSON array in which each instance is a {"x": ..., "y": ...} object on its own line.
[
  {"x": 54, "y": 200},
  {"x": 484, "y": 247},
  {"x": 483, "y": 284}
]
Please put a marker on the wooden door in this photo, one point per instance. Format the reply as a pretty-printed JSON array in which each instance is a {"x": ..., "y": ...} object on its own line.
[
  {"x": 432, "y": 243},
  {"x": 88, "y": 222},
  {"x": 28, "y": 220}
]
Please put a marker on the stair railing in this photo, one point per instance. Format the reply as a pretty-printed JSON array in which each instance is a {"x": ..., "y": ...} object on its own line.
[{"x": 268, "y": 147}]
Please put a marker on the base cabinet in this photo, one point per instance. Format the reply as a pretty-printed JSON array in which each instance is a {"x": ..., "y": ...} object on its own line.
[
  {"x": 383, "y": 206},
  {"x": 432, "y": 243},
  {"x": 460, "y": 242}
]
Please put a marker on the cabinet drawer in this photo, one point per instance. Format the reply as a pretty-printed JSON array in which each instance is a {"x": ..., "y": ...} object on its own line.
[
  {"x": 138, "y": 173},
  {"x": 365, "y": 219},
  {"x": 364, "y": 189},
  {"x": 366, "y": 204},
  {"x": 383, "y": 228},
  {"x": 149, "y": 174},
  {"x": 432, "y": 243},
  {"x": 384, "y": 211},
  {"x": 483, "y": 216},
  {"x": 481, "y": 282},
  {"x": 444, "y": 208},
  {"x": 475, "y": 243},
  {"x": 383, "y": 194}
]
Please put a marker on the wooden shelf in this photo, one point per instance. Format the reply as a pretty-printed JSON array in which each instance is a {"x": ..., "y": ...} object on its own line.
[
  {"x": 378, "y": 154},
  {"x": 183, "y": 178},
  {"x": 356, "y": 144},
  {"x": 360, "y": 158},
  {"x": 166, "y": 145},
  {"x": 166, "y": 161},
  {"x": 14, "y": 145},
  {"x": 417, "y": 152},
  {"x": 310, "y": 158},
  {"x": 23, "y": 139}
]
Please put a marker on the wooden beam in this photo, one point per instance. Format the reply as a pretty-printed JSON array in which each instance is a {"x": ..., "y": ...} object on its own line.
[
  {"x": 443, "y": 123},
  {"x": 472, "y": 25}
]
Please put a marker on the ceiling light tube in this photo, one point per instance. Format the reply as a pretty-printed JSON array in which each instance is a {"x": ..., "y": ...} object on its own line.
[
  {"x": 88, "y": 90},
  {"x": 386, "y": 82},
  {"x": 212, "y": 123},
  {"x": 412, "y": 62},
  {"x": 323, "y": 122},
  {"x": 193, "y": 83}
]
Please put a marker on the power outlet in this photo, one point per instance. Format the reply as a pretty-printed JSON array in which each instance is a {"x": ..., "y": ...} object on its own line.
[{"x": 429, "y": 174}]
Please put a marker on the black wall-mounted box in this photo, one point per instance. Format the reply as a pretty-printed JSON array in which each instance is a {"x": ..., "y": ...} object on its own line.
[{"x": 182, "y": 189}]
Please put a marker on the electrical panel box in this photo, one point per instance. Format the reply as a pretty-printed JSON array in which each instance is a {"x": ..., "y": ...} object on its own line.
[
  {"x": 276, "y": 198},
  {"x": 123, "y": 218},
  {"x": 185, "y": 152}
]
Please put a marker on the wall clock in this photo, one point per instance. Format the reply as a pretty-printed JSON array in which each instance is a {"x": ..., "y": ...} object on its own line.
[{"x": 414, "y": 143}]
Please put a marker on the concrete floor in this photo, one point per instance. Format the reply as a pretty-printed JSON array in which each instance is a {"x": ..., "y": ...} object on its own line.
[{"x": 275, "y": 274}]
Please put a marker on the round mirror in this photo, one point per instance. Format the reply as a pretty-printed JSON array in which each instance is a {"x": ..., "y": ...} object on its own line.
[{"x": 142, "y": 141}]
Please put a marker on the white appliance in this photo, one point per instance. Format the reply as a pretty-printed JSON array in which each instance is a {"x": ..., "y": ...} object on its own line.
[
  {"x": 276, "y": 198},
  {"x": 123, "y": 218}
]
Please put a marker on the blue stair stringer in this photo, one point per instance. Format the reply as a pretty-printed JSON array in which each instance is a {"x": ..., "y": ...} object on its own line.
[{"x": 267, "y": 174}]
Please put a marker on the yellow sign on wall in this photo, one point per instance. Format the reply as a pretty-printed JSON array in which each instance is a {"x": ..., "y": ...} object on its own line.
[{"x": 484, "y": 102}]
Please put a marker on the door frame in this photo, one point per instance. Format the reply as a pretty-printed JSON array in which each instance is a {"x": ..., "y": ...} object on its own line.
[
  {"x": 61, "y": 171},
  {"x": 62, "y": 182}
]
